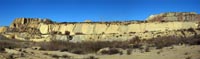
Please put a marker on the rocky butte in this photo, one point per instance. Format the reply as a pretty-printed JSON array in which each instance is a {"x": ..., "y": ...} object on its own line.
[{"x": 179, "y": 24}]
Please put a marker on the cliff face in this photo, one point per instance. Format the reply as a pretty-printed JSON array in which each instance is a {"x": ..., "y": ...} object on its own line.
[
  {"x": 95, "y": 28},
  {"x": 101, "y": 28},
  {"x": 28, "y": 22},
  {"x": 175, "y": 16},
  {"x": 3, "y": 29},
  {"x": 44, "y": 29}
]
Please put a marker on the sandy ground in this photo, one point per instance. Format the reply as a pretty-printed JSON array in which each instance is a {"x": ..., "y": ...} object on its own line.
[{"x": 173, "y": 52}]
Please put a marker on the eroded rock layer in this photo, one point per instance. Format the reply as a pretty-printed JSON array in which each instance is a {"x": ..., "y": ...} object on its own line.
[
  {"x": 36, "y": 29},
  {"x": 175, "y": 16}
]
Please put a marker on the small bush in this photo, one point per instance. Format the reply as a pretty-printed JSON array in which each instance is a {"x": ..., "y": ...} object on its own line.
[
  {"x": 161, "y": 42},
  {"x": 64, "y": 50},
  {"x": 147, "y": 49},
  {"x": 85, "y": 47},
  {"x": 189, "y": 57},
  {"x": 67, "y": 33},
  {"x": 65, "y": 56},
  {"x": 55, "y": 56},
  {"x": 158, "y": 52},
  {"x": 78, "y": 33},
  {"x": 92, "y": 57},
  {"x": 129, "y": 52},
  {"x": 191, "y": 30},
  {"x": 2, "y": 49},
  {"x": 113, "y": 51},
  {"x": 77, "y": 52},
  {"x": 186, "y": 53}
]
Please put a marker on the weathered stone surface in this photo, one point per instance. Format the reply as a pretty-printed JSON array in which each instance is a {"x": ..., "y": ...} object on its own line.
[
  {"x": 113, "y": 28},
  {"x": 109, "y": 51},
  {"x": 104, "y": 30},
  {"x": 3, "y": 29},
  {"x": 175, "y": 16},
  {"x": 29, "y": 22}
]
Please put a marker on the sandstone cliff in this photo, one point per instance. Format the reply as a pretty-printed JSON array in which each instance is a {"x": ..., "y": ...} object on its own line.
[
  {"x": 44, "y": 29},
  {"x": 85, "y": 28},
  {"x": 3, "y": 29},
  {"x": 28, "y": 22},
  {"x": 175, "y": 16}
]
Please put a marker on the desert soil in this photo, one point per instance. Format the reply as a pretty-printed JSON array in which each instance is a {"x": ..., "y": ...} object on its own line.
[{"x": 172, "y": 52}]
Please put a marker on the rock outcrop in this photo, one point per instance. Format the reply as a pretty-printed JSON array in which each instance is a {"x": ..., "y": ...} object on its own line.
[
  {"x": 175, "y": 16},
  {"x": 95, "y": 28},
  {"x": 3, "y": 29},
  {"x": 28, "y": 22},
  {"x": 36, "y": 29}
]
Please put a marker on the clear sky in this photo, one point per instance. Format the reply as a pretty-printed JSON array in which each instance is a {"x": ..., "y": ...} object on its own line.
[{"x": 95, "y": 10}]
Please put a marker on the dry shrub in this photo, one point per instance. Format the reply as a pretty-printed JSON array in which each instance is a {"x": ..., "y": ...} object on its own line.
[
  {"x": 67, "y": 33},
  {"x": 113, "y": 51},
  {"x": 161, "y": 42},
  {"x": 78, "y": 51},
  {"x": 147, "y": 49},
  {"x": 82, "y": 47},
  {"x": 92, "y": 57},
  {"x": 55, "y": 56},
  {"x": 11, "y": 43},
  {"x": 191, "y": 30},
  {"x": 79, "y": 33},
  {"x": 54, "y": 45},
  {"x": 189, "y": 57},
  {"x": 88, "y": 46},
  {"x": 94, "y": 46},
  {"x": 129, "y": 52}
]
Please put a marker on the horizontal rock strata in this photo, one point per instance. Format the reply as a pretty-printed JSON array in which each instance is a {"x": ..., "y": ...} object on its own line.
[{"x": 37, "y": 29}]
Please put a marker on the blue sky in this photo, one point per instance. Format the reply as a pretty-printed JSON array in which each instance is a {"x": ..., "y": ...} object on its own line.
[{"x": 95, "y": 10}]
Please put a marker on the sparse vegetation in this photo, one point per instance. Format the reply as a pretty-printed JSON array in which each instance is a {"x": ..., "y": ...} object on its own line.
[
  {"x": 158, "y": 52},
  {"x": 79, "y": 33},
  {"x": 88, "y": 46},
  {"x": 65, "y": 56},
  {"x": 92, "y": 57},
  {"x": 55, "y": 56},
  {"x": 161, "y": 42},
  {"x": 189, "y": 57},
  {"x": 92, "y": 47},
  {"x": 77, "y": 51},
  {"x": 147, "y": 49},
  {"x": 186, "y": 53},
  {"x": 191, "y": 30},
  {"x": 67, "y": 33},
  {"x": 12, "y": 43}
]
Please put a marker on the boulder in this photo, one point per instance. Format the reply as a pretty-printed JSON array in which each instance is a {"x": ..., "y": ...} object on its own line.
[
  {"x": 11, "y": 51},
  {"x": 109, "y": 51}
]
